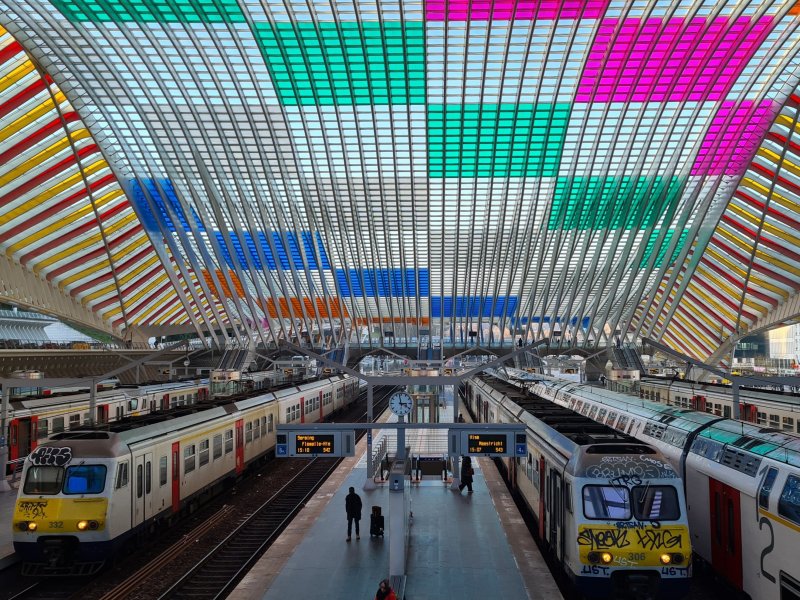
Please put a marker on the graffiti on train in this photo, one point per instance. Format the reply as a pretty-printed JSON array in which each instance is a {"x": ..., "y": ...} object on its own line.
[
  {"x": 47, "y": 456},
  {"x": 615, "y": 538},
  {"x": 643, "y": 467}
]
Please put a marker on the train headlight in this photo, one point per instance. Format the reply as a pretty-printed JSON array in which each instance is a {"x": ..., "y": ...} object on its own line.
[
  {"x": 83, "y": 525},
  {"x": 32, "y": 526},
  {"x": 677, "y": 558},
  {"x": 600, "y": 557},
  {"x": 666, "y": 559}
]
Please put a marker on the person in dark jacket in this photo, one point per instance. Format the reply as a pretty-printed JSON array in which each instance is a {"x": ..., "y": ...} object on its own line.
[
  {"x": 385, "y": 591},
  {"x": 466, "y": 475},
  {"x": 352, "y": 504}
]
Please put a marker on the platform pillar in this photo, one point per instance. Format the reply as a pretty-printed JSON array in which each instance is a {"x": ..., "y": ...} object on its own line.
[{"x": 369, "y": 484}]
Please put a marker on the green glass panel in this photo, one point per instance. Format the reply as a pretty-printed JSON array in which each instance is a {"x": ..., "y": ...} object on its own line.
[
  {"x": 363, "y": 63},
  {"x": 189, "y": 11},
  {"x": 495, "y": 130},
  {"x": 612, "y": 202},
  {"x": 663, "y": 249}
]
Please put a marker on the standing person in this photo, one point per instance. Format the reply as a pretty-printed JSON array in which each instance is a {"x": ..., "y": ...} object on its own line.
[
  {"x": 352, "y": 504},
  {"x": 385, "y": 591},
  {"x": 466, "y": 475},
  {"x": 460, "y": 418}
]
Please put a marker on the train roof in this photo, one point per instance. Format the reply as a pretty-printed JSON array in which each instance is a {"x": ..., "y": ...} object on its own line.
[
  {"x": 698, "y": 387},
  {"x": 665, "y": 420},
  {"x": 566, "y": 428},
  {"x": 88, "y": 443}
]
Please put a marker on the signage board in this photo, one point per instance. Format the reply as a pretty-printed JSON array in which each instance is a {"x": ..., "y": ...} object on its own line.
[
  {"x": 493, "y": 443},
  {"x": 314, "y": 443}
]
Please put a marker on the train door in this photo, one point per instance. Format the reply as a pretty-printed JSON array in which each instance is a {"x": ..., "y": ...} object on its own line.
[
  {"x": 748, "y": 412},
  {"x": 102, "y": 414},
  {"x": 176, "y": 476},
  {"x": 240, "y": 446},
  {"x": 485, "y": 412},
  {"x": 165, "y": 402},
  {"x": 143, "y": 485},
  {"x": 302, "y": 410},
  {"x": 556, "y": 526},
  {"x": 726, "y": 531},
  {"x": 542, "y": 489},
  {"x": 321, "y": 409}
]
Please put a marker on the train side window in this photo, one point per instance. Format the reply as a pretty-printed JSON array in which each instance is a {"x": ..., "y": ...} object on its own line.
[
  {"x": 623, "y": 421},
  {"x": 74, "y": 422},
  {"x": 229, "y": 441},
  {"x": 788, "y": 424},
  {"x": 766, "y": 487},
  {"x": 568, "y": 497},
  {"x": 217, "y": 446},
  {"x": 775, "y": 421},
  {"x": 139, "y": 481},
  {"x": 42, "y": 428},
  {"x": 162, "y": 471},
  {"x": 606, "y": 502},
  {"x": 790, "y": 587},
  {"x": 264, "y": 426},
  {"x": 148, "y": 477},
  {"x": 189, "y": 458},
  {"x": 122, "y": 475},
  {"x": 256, "y": 429},
  {"x": 270, "y": 423},
  {"x": 789, "y": 503},
  {"x": 726, "y": 411},
  {"x": 248, "y": 432},
  {"x": 203, "y": 452}
]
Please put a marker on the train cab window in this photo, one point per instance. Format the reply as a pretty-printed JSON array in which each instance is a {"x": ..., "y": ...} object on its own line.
[
  {"x": 789, "y": 503},
  {"x": 162, "y": 471},
  {"x": 74, "y": 422},
  {"x": 133, "y": 404},
  {"x": 217, "y": 446},
  {"x": 122, "y": 475},
  {"x": 655, "y": 503},
  {"x": 189, "y": 458},
  {"x": 85, "y": 479},
  {"x": 606, "y": 502},
  {"x": 203, "y": 452},
  {"x": 766, "y": 487},
  {"x": 229, "y": 441},
  {"x": 43, "y": 480}
]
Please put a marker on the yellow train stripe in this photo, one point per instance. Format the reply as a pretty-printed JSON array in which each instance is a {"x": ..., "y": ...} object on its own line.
[{"x": 783, "y": 521}]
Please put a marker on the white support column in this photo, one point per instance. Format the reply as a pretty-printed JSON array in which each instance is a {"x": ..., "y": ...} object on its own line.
[{"x": 369, "y": 484}]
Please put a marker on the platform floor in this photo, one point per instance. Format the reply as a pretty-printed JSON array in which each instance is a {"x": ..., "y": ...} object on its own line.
[{"x": 461, "y": 545}]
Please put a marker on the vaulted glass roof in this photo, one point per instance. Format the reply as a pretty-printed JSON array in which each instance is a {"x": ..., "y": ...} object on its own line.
[{"x": 508, "y": 167}]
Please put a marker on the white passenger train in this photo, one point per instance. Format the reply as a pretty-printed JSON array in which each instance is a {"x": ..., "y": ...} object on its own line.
[
  {"x": 86, "y": 492},
  {"x": 30, "y": 420},
  {"x": 609, "y": 509},
  {"x": 777, "y": 409},
  {"x": 742, "y": 483}
]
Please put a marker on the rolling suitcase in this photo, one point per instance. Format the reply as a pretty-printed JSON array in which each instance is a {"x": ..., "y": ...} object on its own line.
[{"x": 376, "y": 521}]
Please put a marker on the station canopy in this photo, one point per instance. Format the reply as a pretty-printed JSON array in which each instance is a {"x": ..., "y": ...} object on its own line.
[{"x": 267, "y": 169}]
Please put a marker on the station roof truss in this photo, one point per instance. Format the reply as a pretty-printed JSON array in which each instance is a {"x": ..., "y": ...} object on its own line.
[{"x": 590, "y": 168}]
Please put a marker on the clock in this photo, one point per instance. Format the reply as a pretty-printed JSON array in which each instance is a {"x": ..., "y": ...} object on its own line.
[{"x": 401, "y": 403}]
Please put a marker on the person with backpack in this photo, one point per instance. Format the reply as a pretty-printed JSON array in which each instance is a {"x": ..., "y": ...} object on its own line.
[{"x": 352, "y": 504}]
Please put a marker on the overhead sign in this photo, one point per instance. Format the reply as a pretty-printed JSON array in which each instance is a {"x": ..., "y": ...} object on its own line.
[
  {"x": 489, "y": 443},
  {"x": 313, "y": 443}
]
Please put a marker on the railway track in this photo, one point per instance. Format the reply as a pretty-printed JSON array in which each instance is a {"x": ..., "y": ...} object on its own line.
[{"x": 221, "y": 569}]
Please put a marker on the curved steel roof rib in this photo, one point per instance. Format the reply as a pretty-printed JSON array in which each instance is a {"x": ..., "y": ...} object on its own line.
[{"x": 278, "y": 168}]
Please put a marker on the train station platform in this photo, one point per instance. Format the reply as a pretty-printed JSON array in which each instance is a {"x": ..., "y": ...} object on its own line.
[{"x": 461, "y": 545}]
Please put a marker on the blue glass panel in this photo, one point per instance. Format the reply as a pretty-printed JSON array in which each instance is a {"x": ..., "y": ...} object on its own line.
[{"x": 473, "y": 306}]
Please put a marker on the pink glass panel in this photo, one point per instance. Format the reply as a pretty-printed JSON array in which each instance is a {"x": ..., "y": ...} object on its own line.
[
  {"x": 676, "y": 60},
  {"x": 734, "y": 134},
  {"x": 506, "y": 10}
]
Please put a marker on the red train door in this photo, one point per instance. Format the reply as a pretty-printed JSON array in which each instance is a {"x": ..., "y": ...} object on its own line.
[
  {"x": 165, "y": 402},
  {"x": 726, "y": 531},
  {"x": 13, "y": 439},
  {"x": 34, "y": 433},
  {"x": 239, "y": 446},
  {"x": 176, "y": 476},
  {"x": 102, "y": 414}
]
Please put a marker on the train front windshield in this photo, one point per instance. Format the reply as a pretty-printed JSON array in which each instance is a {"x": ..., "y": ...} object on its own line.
[
  {"x": 48, "y": 480},
  {"x": 642, "y": 502}
]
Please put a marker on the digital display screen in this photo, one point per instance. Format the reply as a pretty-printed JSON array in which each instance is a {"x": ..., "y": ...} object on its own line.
[
  {"x": 319, "y": 443},
  {"x": 486, "y": 443}
]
